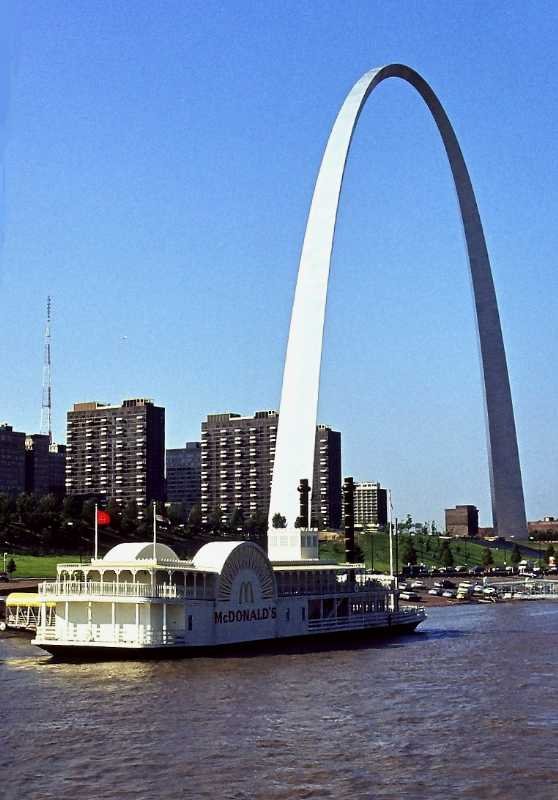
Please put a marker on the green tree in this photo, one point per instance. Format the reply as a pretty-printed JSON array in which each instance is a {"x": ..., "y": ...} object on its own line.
[
  {"x": 88, "y": 512},
  {"x": 215, "y": 522},
  {"x": 11, "y": 567},
  {"x": 408, "y": 552},
  {"x": 487, "y": 557},
  {"x": 236, "y": 521},
  {"x": 115, "y": 513},
  {"x": 299, "y": 522},
  {"x": 279, "y": 521},
  {"x": 256, "y": 527},
  {"x": 129, "y": 519},
  {"x": 194, "y": 523},
  {"x": 446, "y": 556},
  {"x": 358, "y": 554},
  {"x": 549, "y": 553},
  {"x": 48, "y": 504},
  {"x": 515, "y": 557},
  {"x": 71, "y": 507}
]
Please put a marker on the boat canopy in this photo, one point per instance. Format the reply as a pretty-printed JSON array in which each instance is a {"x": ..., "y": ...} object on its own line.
[
  {"x": 211, "y": 557},
  {"x": 139, "y": 551},
  {"x": 29, "y": 599}
]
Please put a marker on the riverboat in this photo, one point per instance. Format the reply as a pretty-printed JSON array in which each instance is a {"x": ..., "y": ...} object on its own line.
[{"x": 142, "y": 599}]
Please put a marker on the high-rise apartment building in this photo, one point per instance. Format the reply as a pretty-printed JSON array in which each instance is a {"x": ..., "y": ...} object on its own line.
[
  {"x": 57, "y": 459},
  {"x": 370, "y": 502},
  {"x": 12, "y": 460},
  {"x": 237, "y": 455},
  {"x": 184, "y": 475},
  {"x": 462, "y": 521},
  {"x": 44, "y": 465},
  {"x": 117, "y": 451},
  {"x": 37, "y": 463},
  {"x": 326, "y": 487}
]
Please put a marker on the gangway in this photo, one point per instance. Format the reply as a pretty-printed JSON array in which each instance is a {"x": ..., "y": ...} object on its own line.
[{"x": 23, "y": 610}]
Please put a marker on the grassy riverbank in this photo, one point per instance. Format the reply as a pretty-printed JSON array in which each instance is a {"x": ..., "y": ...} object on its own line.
[
  {"x": 38, "y": 566},
  {"x": 375, "y": 548}
]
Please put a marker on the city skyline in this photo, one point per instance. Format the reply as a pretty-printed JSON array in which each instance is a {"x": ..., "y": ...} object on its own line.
[{"x": 101, "y": 183}]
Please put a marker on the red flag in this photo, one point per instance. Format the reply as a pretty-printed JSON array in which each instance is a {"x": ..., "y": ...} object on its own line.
[{"x": 103, "y": 518}]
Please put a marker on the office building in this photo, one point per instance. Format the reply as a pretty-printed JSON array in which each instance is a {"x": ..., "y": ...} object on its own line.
[
  {"x": 184, "y": 475},
  {"x": 370, "y": 504},
  {"x": 237, "y": 456},
  {"x": 37, "y": 463},
  {"x": 12, "y": 460},
  {"x": 462, "y": 521},
  {"x": 57, "y": 465},
  {"x": 116, "y": 451}
]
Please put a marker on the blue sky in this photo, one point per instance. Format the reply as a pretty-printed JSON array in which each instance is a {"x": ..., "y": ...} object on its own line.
[{"x": 158, "y": 166}]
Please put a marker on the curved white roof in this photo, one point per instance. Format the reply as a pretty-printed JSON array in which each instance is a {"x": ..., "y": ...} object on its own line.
[
  {"x": 212, "y": 556},
  {"x": 137, "y": 551}
]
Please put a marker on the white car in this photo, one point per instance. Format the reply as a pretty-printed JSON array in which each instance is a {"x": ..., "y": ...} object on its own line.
[
  {"x": 449, "y": 593},
  {"x": 409, "y": 596}
]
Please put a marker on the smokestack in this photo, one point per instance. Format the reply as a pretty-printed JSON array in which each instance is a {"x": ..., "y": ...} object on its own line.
[
  {"x": 304, "y": 491},
  {"x": 349, "y": 518}
]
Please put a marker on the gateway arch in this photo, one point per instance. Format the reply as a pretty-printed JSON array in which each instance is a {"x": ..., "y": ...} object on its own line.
[{"x": 299, "y": 397}]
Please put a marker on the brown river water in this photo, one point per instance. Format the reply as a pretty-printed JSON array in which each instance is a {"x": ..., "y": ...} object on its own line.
[{"x": 467, "y": 707}]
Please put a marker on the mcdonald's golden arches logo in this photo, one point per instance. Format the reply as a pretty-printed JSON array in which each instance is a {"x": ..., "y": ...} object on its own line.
[{"x": 246, "y": 594}]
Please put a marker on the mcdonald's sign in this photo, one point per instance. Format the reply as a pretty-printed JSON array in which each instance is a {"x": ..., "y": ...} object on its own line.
[{"x": 246, "y": 594}]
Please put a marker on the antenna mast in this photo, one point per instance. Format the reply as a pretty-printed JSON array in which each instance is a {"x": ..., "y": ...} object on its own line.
[{"x": 46, "y": 405}]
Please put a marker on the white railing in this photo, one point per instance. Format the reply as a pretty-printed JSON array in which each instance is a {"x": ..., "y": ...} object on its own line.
[
  {"x": 120, "y": 635},
  {"x": 369, "y": 620},
  {"x": 420, "y": 610},
  {"x": 331, "y": 588},
  {"x": 111, "y": 589},
  {"x": 356, "y": 621}
]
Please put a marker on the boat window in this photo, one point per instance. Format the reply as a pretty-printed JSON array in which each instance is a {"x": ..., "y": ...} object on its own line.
[
  {"x": 314, "y": 609},
  {"x": 329, "y": 607},
  {"x": 342, "y": 607},
  {"x": 189, "y": 622}
]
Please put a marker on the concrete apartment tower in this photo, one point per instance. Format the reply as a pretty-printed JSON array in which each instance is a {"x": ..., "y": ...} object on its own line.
[
  {"x": 12, "y": 460},
  {"x": 237, "y": 455},
  {"x": 184, "y": 475},
  {"x": 117, "y": 451},
  {"x": 370, "y": 502}
]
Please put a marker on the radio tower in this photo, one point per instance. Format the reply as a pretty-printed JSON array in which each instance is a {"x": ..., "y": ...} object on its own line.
[{"x": 46, "y": 406}]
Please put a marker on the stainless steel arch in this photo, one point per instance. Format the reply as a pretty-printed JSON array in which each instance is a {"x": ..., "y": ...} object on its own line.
[{"x": 299, "y": 397}]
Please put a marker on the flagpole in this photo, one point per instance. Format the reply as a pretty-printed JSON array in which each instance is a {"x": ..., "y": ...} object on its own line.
[
  {"x": 96, "y": 533},
  {"x": 154, "y": 531},
  {"x": 390, "y": 535}
]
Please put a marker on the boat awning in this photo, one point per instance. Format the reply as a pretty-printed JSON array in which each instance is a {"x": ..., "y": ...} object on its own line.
[{"x": 29, "y": 599}]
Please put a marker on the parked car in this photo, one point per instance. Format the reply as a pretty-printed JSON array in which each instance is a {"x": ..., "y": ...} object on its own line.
[
  {"x": 449, "y": 593},
  {"x": 417, "y": 585},
  {"x": 409, "y": 596},
  {"x": 435, "y": 592},
  {"x": 4, "y": 576}
]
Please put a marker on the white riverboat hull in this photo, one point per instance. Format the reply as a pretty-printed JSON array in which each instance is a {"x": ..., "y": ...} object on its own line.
[{"x": 317, "y": 640}]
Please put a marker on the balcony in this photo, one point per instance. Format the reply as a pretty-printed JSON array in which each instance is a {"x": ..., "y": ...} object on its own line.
[{"x": 97, "y": 589}]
